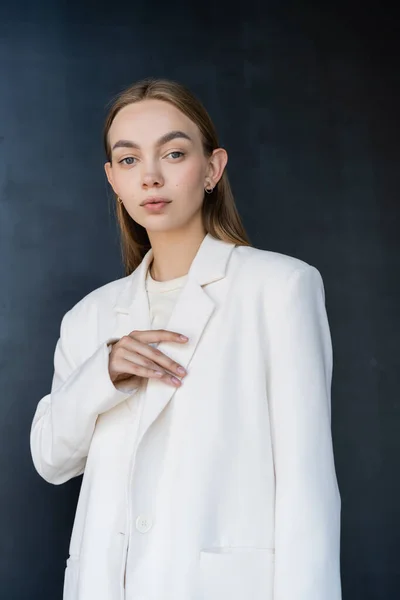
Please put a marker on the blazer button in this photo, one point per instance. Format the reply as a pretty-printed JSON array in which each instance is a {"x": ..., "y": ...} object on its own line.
[{"x": 143, "y": 523}]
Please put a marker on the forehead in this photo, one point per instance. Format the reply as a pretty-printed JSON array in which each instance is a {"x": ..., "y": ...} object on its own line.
[{"x": 145, "y": 121}]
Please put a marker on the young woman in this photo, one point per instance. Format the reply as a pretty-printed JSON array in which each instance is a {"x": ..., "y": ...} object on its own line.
[{"x": 207, "y": 459}]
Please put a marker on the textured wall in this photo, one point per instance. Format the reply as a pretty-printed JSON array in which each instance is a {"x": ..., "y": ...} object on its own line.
[{"x": 306, "y": 102}]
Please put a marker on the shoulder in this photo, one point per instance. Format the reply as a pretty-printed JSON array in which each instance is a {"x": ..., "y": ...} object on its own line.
[
  {"x": 274, "y": 273},
  {"x": 269, "y": 264}
]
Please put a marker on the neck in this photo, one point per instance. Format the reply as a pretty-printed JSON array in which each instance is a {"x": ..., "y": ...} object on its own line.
[{"x": 173, "y": 252}]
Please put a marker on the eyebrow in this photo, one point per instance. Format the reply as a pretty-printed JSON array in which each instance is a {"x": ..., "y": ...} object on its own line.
[{"x": 164, "y": 139}]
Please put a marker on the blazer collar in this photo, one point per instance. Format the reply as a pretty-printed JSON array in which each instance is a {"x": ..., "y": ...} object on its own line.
[{"x": 209, "y": 264}]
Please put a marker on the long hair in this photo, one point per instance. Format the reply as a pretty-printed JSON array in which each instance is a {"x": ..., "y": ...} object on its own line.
[{"x": 219, "y": 213}]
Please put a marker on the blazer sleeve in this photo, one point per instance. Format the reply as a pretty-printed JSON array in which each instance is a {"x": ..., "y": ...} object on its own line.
[
  {"x": 65, "y": 419},
  {"x": 307, "y": 511}
]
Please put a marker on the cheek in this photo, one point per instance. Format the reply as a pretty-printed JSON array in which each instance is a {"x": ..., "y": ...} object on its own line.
[
  {"x": 122, "y": 179},
  {"x": 190, "y": 177}
]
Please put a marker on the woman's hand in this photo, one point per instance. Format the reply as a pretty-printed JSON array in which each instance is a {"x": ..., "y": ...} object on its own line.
[{"x": 132, "y": 359}]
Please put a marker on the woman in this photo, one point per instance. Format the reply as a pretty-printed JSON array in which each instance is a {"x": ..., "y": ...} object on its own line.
[{"x": 207, "y": 459}]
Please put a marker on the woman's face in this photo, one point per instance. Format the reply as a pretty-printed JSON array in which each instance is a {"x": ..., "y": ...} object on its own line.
[{"x": 157, "y": 153}]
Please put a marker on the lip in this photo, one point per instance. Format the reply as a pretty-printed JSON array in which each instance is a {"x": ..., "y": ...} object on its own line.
[
  {"x": 155, "y": 205},
  {"x": 155, "y": 200}
]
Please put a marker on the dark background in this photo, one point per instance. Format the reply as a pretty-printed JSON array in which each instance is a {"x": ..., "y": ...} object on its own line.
[{"x": 306, "y": 100}]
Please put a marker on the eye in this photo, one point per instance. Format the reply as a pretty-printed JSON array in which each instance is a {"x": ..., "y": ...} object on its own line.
[
  {"x": 128, "y": 158},
  {"x": 176, "y": 152}
]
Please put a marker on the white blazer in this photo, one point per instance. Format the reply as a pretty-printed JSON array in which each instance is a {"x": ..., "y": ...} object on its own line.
[{"x": 225, "y": 487}]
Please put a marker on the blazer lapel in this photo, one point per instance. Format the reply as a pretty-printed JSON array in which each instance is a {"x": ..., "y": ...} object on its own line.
[
  {"x": 131, "y": 306},
  {"x": 190, "y": 316}
]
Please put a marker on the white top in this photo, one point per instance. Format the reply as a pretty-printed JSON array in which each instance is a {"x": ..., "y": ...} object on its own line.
[{"x": 162, "y": 297}]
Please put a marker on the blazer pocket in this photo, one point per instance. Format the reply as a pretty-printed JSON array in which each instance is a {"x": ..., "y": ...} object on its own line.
[
  {"x": 71, "y": 579},
  {"x": 237, "y": 573}
]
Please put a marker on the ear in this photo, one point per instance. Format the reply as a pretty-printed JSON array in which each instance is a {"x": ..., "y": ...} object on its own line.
[
  {"x": 217, "y": 163},
  {"x": 109, "y": 174}
]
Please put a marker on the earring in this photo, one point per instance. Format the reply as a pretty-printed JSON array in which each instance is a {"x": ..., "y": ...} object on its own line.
[
  {"x": 119, "y": 199},
  {"x": 209, "y": 190}
]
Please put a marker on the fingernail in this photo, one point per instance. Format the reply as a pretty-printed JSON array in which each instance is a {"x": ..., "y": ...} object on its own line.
[
  {"x": 158, "y": 373},
  {"x": 181, "y": 370},
  {"x": 183, "y": 337},
  {"x": 175, "y": 380}
]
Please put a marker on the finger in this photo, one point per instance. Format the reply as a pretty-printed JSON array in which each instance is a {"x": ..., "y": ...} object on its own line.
[
  {"x": 139, "y": 359},
  {"x": 158, "y": 335},
  {"x": 132, "y": 368},
  {"x": 132, "y": 348},
  {"x": 166, "y": 362}
]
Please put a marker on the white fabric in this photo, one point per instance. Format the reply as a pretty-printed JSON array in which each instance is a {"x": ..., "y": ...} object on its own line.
[
  {"x": 162, "y": 297},
  {"x": 227, "y": 485}
]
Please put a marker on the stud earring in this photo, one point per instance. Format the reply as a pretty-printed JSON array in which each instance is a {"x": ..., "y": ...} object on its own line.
[{"x": 209, "y": 190}]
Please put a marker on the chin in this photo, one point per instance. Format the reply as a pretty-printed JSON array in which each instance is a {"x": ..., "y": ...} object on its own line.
[
  {"x": 154, "y": 225},
  {"x": 165, "y": 225}
]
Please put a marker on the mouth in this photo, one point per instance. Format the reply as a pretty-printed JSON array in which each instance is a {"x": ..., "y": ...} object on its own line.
[
  {"x": 155, "y": 201},
  {"x": 155, "y": 205}
]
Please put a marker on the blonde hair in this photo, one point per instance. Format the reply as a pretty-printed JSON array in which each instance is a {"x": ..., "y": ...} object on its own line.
[{"x": 220, "y": 216}]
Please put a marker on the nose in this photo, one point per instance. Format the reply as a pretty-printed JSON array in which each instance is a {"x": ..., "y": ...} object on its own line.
[{"x": 152, "y": 177}]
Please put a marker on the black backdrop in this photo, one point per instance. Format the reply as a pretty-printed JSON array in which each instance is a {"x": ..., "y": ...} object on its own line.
[{"x": 306, "y": 100}]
